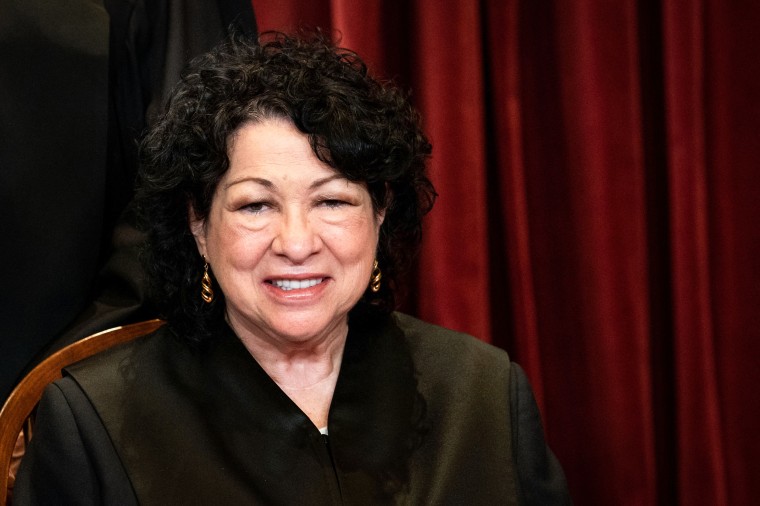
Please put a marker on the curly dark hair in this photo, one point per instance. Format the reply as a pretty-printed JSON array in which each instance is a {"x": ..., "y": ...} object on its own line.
[{"x": 364, "y": 128}]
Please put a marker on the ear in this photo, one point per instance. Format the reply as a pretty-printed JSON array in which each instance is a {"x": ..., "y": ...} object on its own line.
[
  {"x": 380, "y": 214},
  {"x": 197, "y": 228}
]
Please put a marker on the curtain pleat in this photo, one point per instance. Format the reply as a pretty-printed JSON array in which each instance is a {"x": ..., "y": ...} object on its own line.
[
  {"x": 700, "y": 473},
  {"x": 712, "y": 81},
  {"x": 511, "y": 250},
  {"x": 597, "y": 251},
  {"x": 454, "y": 256}
]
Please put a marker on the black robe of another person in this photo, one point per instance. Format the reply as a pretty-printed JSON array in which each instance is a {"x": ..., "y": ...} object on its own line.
[
  {"x": 420, "y": 415},
  {"x": 78, "y": 82}
]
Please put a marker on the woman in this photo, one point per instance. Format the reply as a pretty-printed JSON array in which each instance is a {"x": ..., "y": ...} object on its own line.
[{"x": 282, "y": 193}]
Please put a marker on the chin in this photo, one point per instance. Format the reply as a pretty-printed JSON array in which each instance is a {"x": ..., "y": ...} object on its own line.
[
  {"x": 304, "y": 333},
  {"x": 295, "y": 332}
]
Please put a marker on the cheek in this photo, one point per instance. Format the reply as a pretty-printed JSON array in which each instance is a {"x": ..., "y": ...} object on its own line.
[
  {"x": 354, "y": 240},
  {"x": 231, "y": 247}
]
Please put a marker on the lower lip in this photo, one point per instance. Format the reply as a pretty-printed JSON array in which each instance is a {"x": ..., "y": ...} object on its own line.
[{"x": 298, "y": 294}]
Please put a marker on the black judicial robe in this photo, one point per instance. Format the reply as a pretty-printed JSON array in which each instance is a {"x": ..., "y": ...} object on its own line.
[{"x": 420, "y": 415}]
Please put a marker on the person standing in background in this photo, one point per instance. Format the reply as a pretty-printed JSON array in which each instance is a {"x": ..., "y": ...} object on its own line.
[{"x": 79, "y": 81}]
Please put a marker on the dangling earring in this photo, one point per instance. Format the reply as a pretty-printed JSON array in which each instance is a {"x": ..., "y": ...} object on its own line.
[
  {"x": 207, "y": 293},
  {"x": 377, "y": 276}
]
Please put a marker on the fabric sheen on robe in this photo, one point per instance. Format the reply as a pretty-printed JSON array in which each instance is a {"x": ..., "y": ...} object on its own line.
[{"x": 420, "y": 415}]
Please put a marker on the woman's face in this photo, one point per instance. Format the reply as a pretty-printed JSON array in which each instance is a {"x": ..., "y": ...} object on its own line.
[{"x": 289, "y": 240}]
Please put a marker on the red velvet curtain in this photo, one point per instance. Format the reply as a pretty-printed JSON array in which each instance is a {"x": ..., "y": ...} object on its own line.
[{"x": 598, "y": 170}]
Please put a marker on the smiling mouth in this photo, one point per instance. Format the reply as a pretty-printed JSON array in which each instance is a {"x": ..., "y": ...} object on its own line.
[{"x": 295, "y": 284}]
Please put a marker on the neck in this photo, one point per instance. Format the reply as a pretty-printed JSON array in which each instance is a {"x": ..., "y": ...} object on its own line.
[{"x": 306, "y": 370}]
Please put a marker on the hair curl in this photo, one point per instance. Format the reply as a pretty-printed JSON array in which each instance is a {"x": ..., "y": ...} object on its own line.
[{"x": 365, "y": 129}]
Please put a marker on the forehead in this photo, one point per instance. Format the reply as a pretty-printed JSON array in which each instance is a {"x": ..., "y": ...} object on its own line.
[{"x": 273, "y": 148}]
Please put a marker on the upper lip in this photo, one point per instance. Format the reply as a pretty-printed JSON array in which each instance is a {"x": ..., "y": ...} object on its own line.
[{"x": 295, "y": 277}]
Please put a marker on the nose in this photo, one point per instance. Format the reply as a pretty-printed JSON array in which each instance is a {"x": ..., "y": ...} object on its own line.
[{"x": 296, "y": 237}]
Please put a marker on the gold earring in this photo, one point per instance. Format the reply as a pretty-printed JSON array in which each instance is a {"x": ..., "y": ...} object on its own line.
[
  {"x": 207, "y": 293},
  {"x": 377, "y": 276}
]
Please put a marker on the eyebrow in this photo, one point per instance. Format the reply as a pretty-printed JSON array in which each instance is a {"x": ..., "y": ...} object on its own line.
[
  {"x": 325, "y": 180},
  {"x": 268, "y": 184},
  {"x": 264, "y": 182}
]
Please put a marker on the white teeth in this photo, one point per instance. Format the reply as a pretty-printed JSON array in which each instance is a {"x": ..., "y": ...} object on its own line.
[{"x": 294, "y": 284}]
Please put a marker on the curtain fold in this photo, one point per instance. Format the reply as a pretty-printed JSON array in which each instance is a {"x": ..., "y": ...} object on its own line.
[
  {"x": 459, "y": 169},
  {"x": 597, "y": 169},
  {"x": 701, "y": 473},
  {"x": 712, "y": 82},
  {"x": 506, "y": 171}
]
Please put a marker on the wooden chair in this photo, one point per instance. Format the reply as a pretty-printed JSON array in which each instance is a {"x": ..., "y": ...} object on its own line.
[{"x": 16, "y": 417}]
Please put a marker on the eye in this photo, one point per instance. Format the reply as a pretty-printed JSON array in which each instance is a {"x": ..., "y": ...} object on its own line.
[
  {"x": 255, "y": 207},
  {"x": 333, "y": 203}
]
